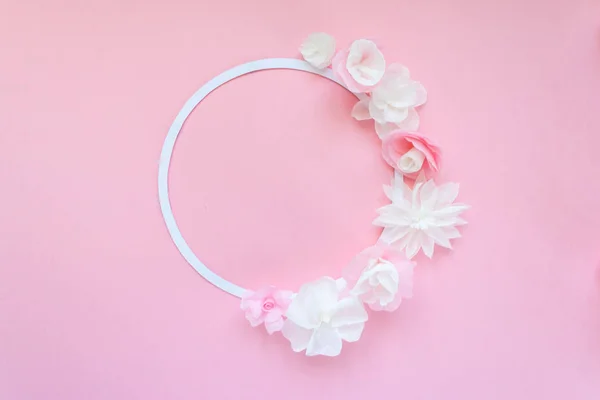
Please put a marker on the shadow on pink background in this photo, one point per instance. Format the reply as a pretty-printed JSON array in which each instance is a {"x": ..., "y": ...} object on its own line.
[{"x": 273, "y": 182}]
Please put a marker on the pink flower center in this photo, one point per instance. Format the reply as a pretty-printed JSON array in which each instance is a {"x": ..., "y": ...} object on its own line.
[{"x": 268, "y": 305}]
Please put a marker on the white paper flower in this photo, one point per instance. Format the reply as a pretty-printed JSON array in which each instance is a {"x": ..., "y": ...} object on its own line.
[
  {"x": 378, "y": 283},
  {"x": 381, "y": 277},
  {"x": 360, "y": 67},
  {"x": 421, "y": 217},
  {"x": 318, "y": 49},
  {"x": 392, "y": 102},
  {"x": 318, "y": 319}
]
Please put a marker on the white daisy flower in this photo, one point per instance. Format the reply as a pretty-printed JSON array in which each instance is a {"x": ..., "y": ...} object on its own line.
[{"x": 419, "y": 218}]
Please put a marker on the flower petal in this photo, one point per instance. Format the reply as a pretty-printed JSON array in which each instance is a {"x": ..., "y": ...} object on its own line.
[
  {"x": 389, "y": 282},
  {"x": 273, "y": 315},
  {"x": 274, "y": 326},
  {"x": 253, "y": 309},
  {"x": 325, "y": 341},
  {"x": 428, "y": 195},
  {"x": 341, "y": 284},
  {"x": 393, "y": 306},
  {"x": 427, "y": 246},
  {"x": 299, "y": 337},
  {"x": 401, "y": 191},
  {"x": 393, "y": 234},
  {"x": 254, "y": 321},
  {"x": 438, "y": 236},
  {"x": 350, "y": 310},
  {"x": 283, "y": 298},
  {"x": 451, "y": 232},
  {"x": 421, "y": 94},
  {"x": 411, "y": 122},
  {"x": 395, "y": 115},
  {"x": 313, "y": 299},
  {"x": 459, "y": 221},
  {"x": 360, "y": 111},
  {"x": 416, "y": 199},
  {"x": 351, "y": 333},
  {"x": 376, "y": 112},
  {"x": 413, "y": 244},
  {"x": 392, "y": 215},
  {"x": 447, "y": 194},
  {"x": 421, "y": 179},
  {"x": 451, "y": 210}
]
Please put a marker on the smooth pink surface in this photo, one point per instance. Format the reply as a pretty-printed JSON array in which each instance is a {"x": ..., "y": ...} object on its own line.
[{"x": 272, "y": 180}]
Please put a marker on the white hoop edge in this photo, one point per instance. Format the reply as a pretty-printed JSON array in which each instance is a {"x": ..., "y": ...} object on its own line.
[{"x": 169, "y": 145}]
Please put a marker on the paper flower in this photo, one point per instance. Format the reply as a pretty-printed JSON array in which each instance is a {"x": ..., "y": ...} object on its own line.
[
  {"x": 267, "y": 306},
  {"x": 411, "y": 153},
  {"x": 381, "y": 277},
  {"x": 421, "y": 217},
  {"x": 318, "y": 319},
  {"x": 392, "y": 102},
  {"x": 361, "y": 67},
  {"x": 318, "y": 49}
]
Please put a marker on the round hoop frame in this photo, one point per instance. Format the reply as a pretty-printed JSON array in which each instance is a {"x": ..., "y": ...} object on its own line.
[{"x": 169, "y": 144}]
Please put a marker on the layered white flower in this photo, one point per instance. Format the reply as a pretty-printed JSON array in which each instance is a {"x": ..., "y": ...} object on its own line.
[
  {"x": 318, "y": 319},
  {"x": 318, "y": 49},
  {"x": 365, "y": 62},
  {"x": 419, "y": 218},
  {"x": 392, "y": 102},
  {"x": 382, "y": 285}
]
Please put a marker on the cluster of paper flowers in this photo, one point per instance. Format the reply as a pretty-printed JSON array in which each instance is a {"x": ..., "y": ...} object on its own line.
[{"x": 421, "y": 214}]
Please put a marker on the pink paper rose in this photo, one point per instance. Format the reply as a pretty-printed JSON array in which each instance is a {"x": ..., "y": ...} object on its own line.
[
  {"x": 361, "y": 67},
  {"x": 266, "y": 305},
  {"x": 381, "y": 277},
  {"x": 410, "y": 153}
]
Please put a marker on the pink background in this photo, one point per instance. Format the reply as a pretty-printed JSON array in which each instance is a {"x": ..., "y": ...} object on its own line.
[{"x": 273, "y": 182}]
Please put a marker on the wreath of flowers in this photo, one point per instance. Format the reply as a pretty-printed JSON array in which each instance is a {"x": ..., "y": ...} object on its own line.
[{"x": 421, "y": 214}]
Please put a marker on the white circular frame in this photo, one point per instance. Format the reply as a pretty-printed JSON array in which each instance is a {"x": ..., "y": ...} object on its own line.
[{"x": 169, "y": 144}]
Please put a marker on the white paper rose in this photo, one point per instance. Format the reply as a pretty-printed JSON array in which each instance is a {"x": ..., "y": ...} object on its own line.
[
  {"x": 381, "y": 277},
  {"x": 361, "y": 67},
  {"x": 318, "y": 319},
  {"x": 392, "y": 102},
  {"x": 318, "y": 49}
]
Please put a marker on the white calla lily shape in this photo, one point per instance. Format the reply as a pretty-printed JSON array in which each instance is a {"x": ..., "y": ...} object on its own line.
[{"x": 319, "y": 319}]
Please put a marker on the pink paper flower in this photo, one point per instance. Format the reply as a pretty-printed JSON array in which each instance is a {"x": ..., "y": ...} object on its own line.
[
  {"x": 410, "y": 153},
  {"x": 361, "y": 67},
  {"x": 266, "y": 305},
  {"x": 381, "y": 277}
]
